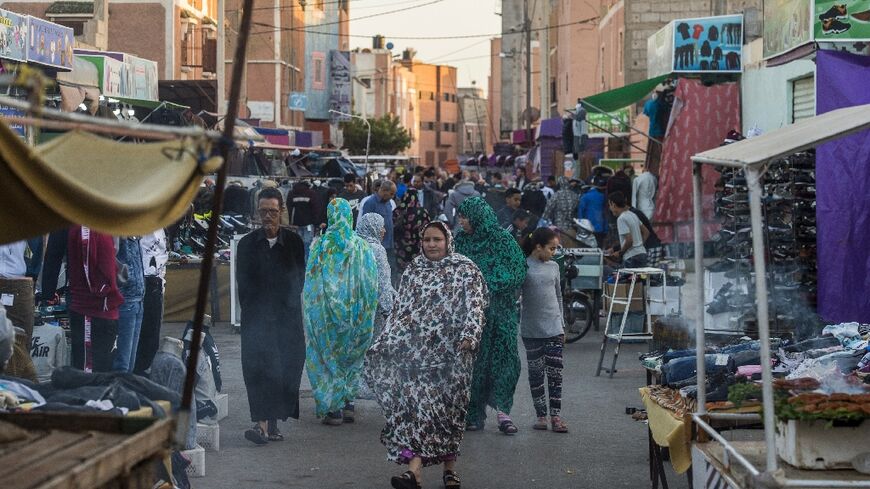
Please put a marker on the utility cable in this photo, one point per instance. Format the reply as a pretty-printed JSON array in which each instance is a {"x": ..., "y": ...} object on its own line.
[{"x": 325, "y": 24}]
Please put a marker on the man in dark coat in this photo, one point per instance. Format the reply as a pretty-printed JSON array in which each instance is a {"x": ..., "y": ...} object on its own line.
[{"x": 270, "y": 275}]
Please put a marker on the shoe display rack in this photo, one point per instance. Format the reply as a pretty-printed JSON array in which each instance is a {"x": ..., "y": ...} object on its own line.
[{"x": 789, "y": 222}]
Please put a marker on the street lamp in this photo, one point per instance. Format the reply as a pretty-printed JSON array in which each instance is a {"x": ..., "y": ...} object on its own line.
[{"x": 368, "y": 138}]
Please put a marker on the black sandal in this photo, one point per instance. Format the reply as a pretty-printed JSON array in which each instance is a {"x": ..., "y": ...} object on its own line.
[
  {"x": 451, "y": 480},
  {"x": 274, "y": 432},
  {"x": 256, "y": 435},
  {"x": 405, "y": 481},
  {"x": 508, "y": 427}
]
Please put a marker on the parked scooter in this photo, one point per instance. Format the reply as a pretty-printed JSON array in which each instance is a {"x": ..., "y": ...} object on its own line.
[{"x": 578, "y": 305}]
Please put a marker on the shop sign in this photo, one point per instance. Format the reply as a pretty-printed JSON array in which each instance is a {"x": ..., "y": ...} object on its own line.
[
  {"x": 660, "y": 52},
  {"x": 264, "y": 111},
  {"x": 339, "y": 84},
  {"x": 786, "y": 25},
  {"x": 839, "y": 20},
  {"x": 708, "y": 44},
  {"x": 298, "y": 101},
  {"x": 50, "y": 44},
  {"x": 142, "y": 78},
  {"x": 114, "y": 78},
  {"x": 602, "y": 124},
  {"x": 13, "y": 36},
  {"x": 6, "y": 111}
]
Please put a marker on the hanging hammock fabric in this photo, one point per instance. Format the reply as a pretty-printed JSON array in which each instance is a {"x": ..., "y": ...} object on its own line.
[{"x": 123, "y": 189}]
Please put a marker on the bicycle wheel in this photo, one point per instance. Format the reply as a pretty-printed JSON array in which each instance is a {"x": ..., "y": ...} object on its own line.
[{"x": 578, "y": 317}]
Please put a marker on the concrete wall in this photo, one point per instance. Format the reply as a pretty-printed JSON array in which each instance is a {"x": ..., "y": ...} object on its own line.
[
  {"x": 473, "y": 125},
  {"x": 437, "y": 142},
  {"x": 318, "y": 100},
  {"x": 767, "y": 91},
  {"x": 494, "y": 90},
  {"x": 512, "y": 66}
]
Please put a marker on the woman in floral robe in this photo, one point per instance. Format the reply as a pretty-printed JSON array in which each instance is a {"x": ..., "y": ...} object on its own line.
[{"x": 420, "y": 367}]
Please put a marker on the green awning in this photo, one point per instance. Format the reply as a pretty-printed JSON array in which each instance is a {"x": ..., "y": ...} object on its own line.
[{"x": 613, "y": 100}]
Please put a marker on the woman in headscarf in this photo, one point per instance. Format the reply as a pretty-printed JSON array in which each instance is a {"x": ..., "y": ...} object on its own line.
[
  {"x": 420, "y": 367},
  {"x": 340, "y": 298},
  {"x": 370, "y": 227},
  {"x": 409, "y": 219},
  {"x": 503, "y": 264}
]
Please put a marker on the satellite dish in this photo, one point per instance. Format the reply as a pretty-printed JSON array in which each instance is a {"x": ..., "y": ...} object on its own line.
[
  {"x": 531, "y": 114},
  {"x": 390, "y": 45}
]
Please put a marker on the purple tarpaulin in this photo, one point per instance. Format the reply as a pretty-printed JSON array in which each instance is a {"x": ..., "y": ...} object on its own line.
[{"x": 843, "y": 193}]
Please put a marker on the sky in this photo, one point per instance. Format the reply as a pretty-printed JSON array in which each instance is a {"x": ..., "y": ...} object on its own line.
[{"x": 432, "y": 18}]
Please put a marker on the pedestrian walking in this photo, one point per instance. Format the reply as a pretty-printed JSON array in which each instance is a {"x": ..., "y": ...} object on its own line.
[
  {"x": 270, "y": 271},
  {"x": 542, "y": 327},
  {"x": 561, "y": 210},
  {"x": 381, "y": 202},
  {"x": 340, "y": 298},
  {"x": 370, "y": 227},
  {"x": 503, "y": 265},
  {"x": 409, "y": 219},
  {"x": 420, "y": 368},
  {"x": 463, "y": 190},
  {"x": 131, "y": 283}
]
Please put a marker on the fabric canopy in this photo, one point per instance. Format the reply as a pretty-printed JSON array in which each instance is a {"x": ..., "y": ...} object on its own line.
[
  {"x": 797, "y": 137},
  {"x": 123, "y": 189},
  {"x": 615, "y": 99}
]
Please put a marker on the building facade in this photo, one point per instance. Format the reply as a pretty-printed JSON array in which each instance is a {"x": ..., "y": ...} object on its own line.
[
  {"x": 438, "y": 138},
  {"x": 474, "y": 134}
]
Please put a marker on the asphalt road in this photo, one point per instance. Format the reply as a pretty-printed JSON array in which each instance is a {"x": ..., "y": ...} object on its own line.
[{"x": 605, "y": 448}]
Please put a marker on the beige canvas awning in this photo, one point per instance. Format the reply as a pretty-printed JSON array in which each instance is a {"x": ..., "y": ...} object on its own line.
[
  {"x": 799, "y": 136},
  {"x": 123, "y": 189}
]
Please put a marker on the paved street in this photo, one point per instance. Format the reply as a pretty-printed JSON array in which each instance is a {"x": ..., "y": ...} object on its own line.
[{"x": 605, "y": 449}]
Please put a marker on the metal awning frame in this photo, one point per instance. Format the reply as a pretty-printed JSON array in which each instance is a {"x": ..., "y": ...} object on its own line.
[{"x": 743, "y": 155}]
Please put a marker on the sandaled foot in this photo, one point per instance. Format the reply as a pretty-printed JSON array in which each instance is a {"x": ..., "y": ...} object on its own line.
[
  {"x": 255, "y": 435},
  {"x": 451, "y": 480},
  {"x": 508, "y": 427},
  {"x": 541, "y": 424},
  {"x": 557, "y": 425},
  {"x": 405, "y": 481},
  {"x": 473, "y": 426},
  {"x": 333, "y": 419},
  {"x": 348, "y": 413},
  {"x": 274, "y": 434}
]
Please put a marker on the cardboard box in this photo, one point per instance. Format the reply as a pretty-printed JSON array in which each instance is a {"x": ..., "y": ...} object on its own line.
[{"x": 620, "y": 293}]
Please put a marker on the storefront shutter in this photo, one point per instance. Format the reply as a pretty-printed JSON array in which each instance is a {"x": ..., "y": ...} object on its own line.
[{"x": 803, "y": 99}]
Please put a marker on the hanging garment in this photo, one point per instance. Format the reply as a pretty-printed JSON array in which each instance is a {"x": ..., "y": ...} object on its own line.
[{"x": 409, "y": 219}]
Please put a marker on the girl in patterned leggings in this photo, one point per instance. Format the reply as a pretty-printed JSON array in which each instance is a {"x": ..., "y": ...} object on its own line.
[{"x": 541, "y": 326}]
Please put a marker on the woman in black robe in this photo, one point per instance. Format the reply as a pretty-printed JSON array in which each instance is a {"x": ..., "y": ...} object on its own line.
[{"x": 270, "y": 272}]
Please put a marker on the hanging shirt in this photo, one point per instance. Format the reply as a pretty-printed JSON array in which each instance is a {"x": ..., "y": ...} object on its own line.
[
  {"x": 48, "y": 350},
  {"x": 581, "y": 127},
  {"x": 12, "y": 264},
  {"x": 154, "y": 254},
  {"x": 651, "y": 110}
]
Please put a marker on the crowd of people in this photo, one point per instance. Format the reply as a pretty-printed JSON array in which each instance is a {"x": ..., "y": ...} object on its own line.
[{"x": 416, "y": 294}]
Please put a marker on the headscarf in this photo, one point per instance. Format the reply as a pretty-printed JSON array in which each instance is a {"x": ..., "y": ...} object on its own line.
[
  {"x": 370, "y": 227},
  {"x": 410, "y": 218},
  {"x": 339, "y": 299},
  {"x": 493, "y": 249}
]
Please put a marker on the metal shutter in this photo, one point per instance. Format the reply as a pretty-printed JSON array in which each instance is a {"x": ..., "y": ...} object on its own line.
[{"x": 803, "y": 105}]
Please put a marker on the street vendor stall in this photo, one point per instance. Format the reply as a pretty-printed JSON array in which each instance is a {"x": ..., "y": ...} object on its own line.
[{"x": 736, "y": 463}]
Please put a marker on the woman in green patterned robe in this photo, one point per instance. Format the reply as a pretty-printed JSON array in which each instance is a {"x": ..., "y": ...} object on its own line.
[
  {"x": 500, "y": 259},
  {"x": 339, "y": 300}
]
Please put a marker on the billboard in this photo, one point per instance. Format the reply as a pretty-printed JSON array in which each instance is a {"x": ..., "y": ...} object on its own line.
[
  {"x": 339, "y": 84},
  {"x": 13, "y": 36},
  {"x": 606, "y": 124},
  {"x": 708, "y": 44},
  {"x": 660, "y": 52},
  {"x": 50, "y": 44},
  {"x": 786, "y": 25},
  {"x": 838, "y": 20}
]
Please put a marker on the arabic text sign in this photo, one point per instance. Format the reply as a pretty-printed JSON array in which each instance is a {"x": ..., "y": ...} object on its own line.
[
  {"x": 13, "y": 36},
  {"x": 50, "y": 44},
  {"x": 339, "y": 84}
]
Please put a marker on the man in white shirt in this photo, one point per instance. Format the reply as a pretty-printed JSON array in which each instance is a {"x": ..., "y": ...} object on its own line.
[
  {"x": 631, "y": 233},
  {"x": 16, "y": 289},
  {"x": 12, "y": 264},
  {"x": 643, "y": 193}
]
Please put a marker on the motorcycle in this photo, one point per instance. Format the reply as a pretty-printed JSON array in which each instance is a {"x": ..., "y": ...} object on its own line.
[{"x": 579, "y": 304}]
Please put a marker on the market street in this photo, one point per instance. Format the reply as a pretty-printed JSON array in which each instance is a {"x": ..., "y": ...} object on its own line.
[{"x": 605, "y": 449}]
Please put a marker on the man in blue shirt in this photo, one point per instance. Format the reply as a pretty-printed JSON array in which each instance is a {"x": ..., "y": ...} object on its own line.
[{"x": 592, "y": 207}]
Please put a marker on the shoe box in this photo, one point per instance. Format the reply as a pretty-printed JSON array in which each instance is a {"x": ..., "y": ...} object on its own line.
[{"x": 620, "y": 293}]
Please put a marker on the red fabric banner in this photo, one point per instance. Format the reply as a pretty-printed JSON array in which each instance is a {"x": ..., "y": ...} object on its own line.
[{"x": 700, "y": 120}]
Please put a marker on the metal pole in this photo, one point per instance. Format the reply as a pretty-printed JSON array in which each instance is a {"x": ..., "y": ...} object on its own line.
[
  {"x": 753, "y": 180},
  {"x": 368, "y": 143},
  {"x": 700, "y": 341},
  {"x": 221, "y": 56},
  {"x": 527, "y": 25},
  {"x": 208, "y": 255}
]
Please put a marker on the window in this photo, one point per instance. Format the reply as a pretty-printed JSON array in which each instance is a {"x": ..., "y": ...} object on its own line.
[
  {"x": 447, "y": 97},
  {"x": 318, "y": 68},
  {"x": 78, "y": 26},
  {"x": 427, "y": 126},
  {"x": 432, "y": 96},
  {"x": 430, "y": 158}
]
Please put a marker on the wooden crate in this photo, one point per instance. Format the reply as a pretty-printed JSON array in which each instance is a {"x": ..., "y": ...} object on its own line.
[{"x": 61, "y": 451}]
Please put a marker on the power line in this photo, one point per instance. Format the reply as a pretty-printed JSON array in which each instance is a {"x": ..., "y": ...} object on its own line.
[
  {"x": 300, "y": 7},
  {"x": 476, "y": 43},
  {"x": 431, "y": 38},
  {"x": 379, "y": 14}
]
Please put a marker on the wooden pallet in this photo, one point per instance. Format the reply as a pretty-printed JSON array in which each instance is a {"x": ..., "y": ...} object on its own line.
[{"x": 65, "y": 451}]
